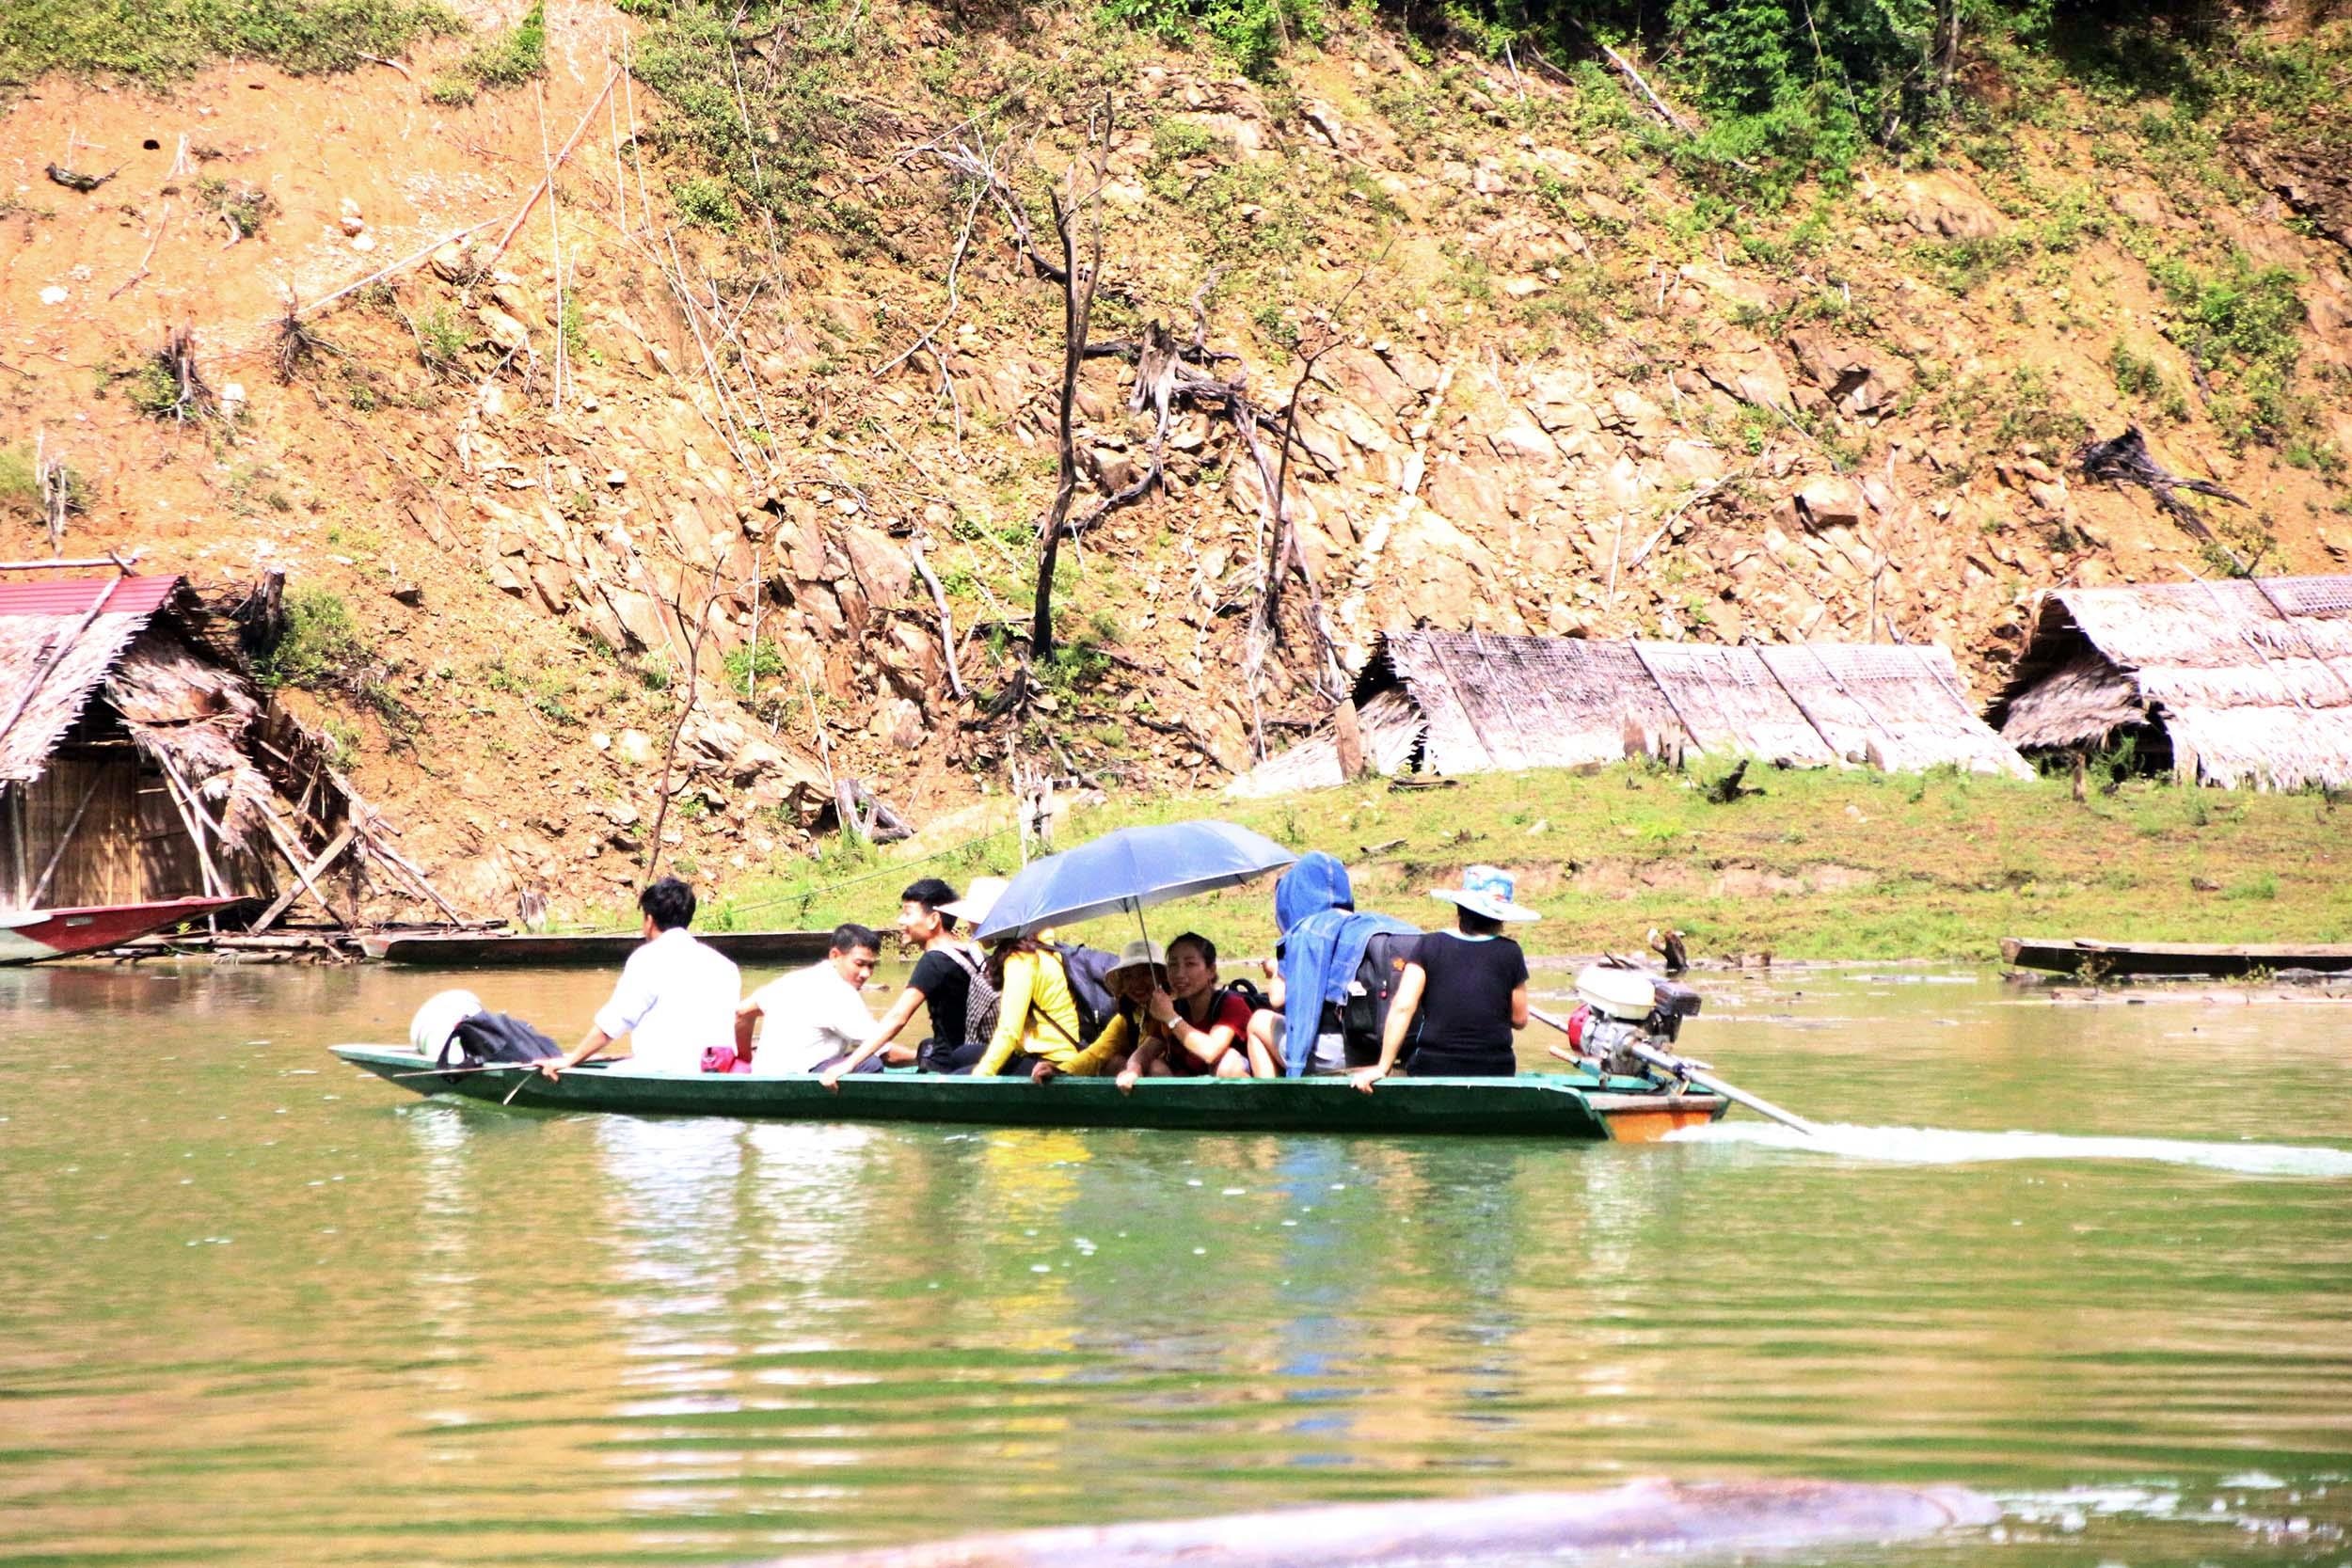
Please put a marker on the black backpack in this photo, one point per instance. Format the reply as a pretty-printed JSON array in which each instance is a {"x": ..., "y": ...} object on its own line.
[
  {"x": 498, "y": 1038},
  {"x": 1364, "y": 1016},
  {"x": 1248, "y": 991}
]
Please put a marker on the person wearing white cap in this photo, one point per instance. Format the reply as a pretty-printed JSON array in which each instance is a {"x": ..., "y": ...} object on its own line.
[{"x": 1466, "y": 988}]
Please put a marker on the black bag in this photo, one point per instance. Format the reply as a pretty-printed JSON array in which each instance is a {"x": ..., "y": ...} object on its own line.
[
  {"x": 1248, "y": 991},
  {"x": 498, "y": 1038},
  {"x": 1089, "y": 971},
  {"x": 1364, "y": 1016}
]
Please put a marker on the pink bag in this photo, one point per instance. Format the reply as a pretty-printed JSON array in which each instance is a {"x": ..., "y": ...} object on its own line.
[{"x": 722, "y": 1058}]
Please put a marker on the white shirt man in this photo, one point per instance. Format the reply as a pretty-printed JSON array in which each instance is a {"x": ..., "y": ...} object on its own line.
[
  {"x": 676, "y": 998},
  {"x": 814, "y": 1015}
]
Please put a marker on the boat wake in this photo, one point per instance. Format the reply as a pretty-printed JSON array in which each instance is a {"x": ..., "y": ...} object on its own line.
[{"x": 1934, "y": 1146}]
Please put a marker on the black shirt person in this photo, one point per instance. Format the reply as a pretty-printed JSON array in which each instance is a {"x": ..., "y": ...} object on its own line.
[
  {"x": 1467, "y": 987},
  {"x": 942, "y": 981}
]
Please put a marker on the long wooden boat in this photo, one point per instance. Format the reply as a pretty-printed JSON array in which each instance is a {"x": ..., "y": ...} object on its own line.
[
  {"x": 2090, "y": 955},
  {"x": 29, "y": 936},
  {"x": 1565, "y": 1105},
  {"x": 495, "y": 950}
]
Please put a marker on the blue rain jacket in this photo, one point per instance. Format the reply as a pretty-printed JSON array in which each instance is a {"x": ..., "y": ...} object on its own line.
[{"x": 1323, "y": 943}]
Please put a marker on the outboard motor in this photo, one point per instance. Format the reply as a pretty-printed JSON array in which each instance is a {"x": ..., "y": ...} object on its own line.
[{"x": 1623, "y": 1007}]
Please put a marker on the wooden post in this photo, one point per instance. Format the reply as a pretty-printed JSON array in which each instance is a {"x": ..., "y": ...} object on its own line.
[
  {"x": 1349, "y": 737},
  {"x": 305, "y": 877},
  {"x": 191, "y": 816}
]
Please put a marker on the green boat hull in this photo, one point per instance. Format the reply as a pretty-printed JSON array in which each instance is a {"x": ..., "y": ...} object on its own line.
[{"x": 1548, "y": 1105}]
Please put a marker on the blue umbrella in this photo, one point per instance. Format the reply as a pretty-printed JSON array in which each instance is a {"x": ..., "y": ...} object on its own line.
[{"x": 1128, "y": 871}]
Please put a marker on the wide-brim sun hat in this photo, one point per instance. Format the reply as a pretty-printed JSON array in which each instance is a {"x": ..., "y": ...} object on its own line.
[
  {"x": 1140, "y": 953},
  {"x": 979, "y": 898},
  {"x": 1486, "y": 889}
]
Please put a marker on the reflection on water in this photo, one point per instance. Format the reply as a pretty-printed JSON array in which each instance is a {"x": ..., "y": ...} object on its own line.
[
  {"x": 266, "y": 1311},
  {"x": 1935, "y": 1146}
]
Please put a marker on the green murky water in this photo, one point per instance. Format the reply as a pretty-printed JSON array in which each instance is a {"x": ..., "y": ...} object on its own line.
[{"x": 262, "y": 1310}]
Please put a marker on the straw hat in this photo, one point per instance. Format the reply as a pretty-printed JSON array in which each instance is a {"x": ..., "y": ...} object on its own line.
[
  {"x": 1486, "y": 889},
  {"x": 1139, "y": 953},
  {"x": 977, "y": 900}
]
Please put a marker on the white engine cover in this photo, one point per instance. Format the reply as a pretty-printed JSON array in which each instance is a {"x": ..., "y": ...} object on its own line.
[{"x": 1621, "y": 994}]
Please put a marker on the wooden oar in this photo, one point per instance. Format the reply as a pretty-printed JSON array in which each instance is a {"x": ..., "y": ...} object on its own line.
[
  {"x": 477, "y": 1067},
  {"x": 1686, "y": 1070}
]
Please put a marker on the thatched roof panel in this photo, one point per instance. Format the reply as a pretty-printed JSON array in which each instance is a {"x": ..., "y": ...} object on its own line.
[
  {"x": 192, "y": 717},
  {"x": 1491, "y": 703},
  {"x": 51, "y": 647},
  {"x": 1727, "y": 700},
  {"x": 1900, "y": 708},
  {"x": 1391, "y": 730},
  {"x": 2084, "y": 701},
  {"x": 1503, "y": 702},
  {"x": 2253, "y": 678}
]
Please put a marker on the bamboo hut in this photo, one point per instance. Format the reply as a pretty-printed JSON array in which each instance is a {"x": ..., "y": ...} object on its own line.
[
  {"x": 1449, "y": 704},
  {"x": 140, "y": 762},
  {"x": 2231, "y": 683}
]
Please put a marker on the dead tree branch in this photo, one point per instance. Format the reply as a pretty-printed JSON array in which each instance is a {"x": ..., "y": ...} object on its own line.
[
  {"x": 1079, "y": 276},
  {"x": 2126, "y": 460},
  {"x": 686, "y": 711}
]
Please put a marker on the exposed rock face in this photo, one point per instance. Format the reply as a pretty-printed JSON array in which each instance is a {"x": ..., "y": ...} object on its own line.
[{"x": 1555, "y": 406}]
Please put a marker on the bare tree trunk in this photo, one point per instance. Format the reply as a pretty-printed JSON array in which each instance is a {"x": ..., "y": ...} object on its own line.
[{"x": 1078, "y": 293}]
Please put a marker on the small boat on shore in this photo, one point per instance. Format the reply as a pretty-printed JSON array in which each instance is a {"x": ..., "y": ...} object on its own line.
[
  {"x": 500, "y": 950},
  {"x": 1574, "y": 1105},
  {"x": 2089, "y": 956},
  {"x": 30, "y": 936}
]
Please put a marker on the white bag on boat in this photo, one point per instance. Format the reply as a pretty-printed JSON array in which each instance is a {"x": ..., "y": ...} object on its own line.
[{"x": 433, "y": 1031}]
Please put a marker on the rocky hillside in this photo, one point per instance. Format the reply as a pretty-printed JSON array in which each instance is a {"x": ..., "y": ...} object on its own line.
[{"x": 789, "y": 334}]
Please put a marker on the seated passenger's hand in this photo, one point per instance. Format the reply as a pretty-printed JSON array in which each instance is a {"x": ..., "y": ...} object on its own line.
[
  {"x": 1043, "y": 1071},
  {"x": 1365, "y": 1077},
  {"x": 1163, "y": 1005},
  {"x": 831, "y": 1081},
  {"x": 551, "y": 1066},
  {"x": 1126, "y": 1079}
]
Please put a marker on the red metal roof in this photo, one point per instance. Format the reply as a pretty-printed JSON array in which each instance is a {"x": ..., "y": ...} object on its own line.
[{"x": 74, "y": 596}]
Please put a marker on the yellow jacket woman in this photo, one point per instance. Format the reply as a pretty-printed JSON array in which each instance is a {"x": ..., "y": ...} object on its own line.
[{"x": 1036, "y": 1014}]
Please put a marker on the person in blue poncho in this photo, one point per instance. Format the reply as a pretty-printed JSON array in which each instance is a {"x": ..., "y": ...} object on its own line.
[{"x": 1323, "y": 940}]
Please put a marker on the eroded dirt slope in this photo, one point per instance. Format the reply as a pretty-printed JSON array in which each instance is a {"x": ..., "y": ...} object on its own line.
[{"x": 1567, "y": 394}]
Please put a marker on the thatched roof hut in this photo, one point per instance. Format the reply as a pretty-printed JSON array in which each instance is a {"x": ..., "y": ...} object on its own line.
[
  {"x": 2237, "y": 681},
  {"x": 139, "y": 760},
  {"x": 1450, "y": 703}
]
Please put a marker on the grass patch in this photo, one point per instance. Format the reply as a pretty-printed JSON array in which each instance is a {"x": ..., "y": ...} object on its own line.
[
  {"x": 160, "y": 43},
  {"x": 800, "y": 75},
  {"x": 322, "y": 651},
  {"x": 1826, "y": 864},
  {"x": 2244, "y": 324},
  {"x": 506, "y": 61}
]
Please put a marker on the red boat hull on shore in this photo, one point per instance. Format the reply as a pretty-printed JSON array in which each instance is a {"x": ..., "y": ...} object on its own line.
[{"x": 29, "y": 936}]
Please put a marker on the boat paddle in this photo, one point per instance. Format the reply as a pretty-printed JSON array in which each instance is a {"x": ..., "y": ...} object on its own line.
[{"x": 1688, "y": 1072}]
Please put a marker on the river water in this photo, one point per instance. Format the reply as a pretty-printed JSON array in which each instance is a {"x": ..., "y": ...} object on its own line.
[{"x": 2094, "y": 1260}]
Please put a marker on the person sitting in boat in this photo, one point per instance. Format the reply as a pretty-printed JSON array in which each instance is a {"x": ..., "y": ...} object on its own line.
[
  {"x": 1141, "y": 970},
  {"x": 1323, "y": 941},
  {"x": 1468, "y": 987},
  {"x": 814, "y": 1016},
  {"x": 940, "y": 984},
  {"x": 1200, "y": 1029},
  {"x": 676, "y": 998},
  {"x": 1036, "y": 1016}
]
